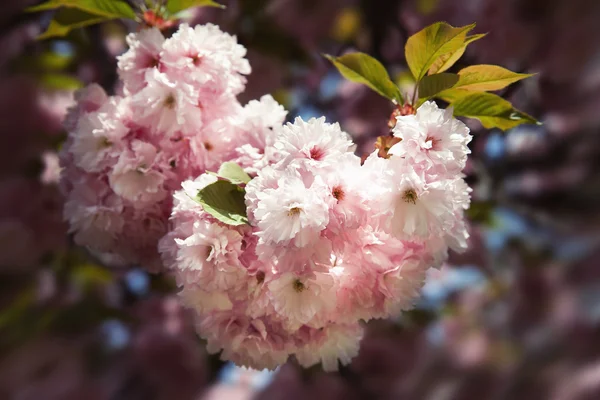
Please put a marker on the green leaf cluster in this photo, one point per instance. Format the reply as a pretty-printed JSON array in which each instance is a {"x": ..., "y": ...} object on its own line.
[
  {"x": 73, "y": 14},
  {"x": 434, "y": 50},
  {"x": 430, "y": 53}
]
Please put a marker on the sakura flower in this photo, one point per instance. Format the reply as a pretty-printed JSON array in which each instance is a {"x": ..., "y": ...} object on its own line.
[
  {"x": 167, "y": 106},
  {"x": 254, "y": 343},
  {"x": 97, "y": 140},
  {"x": 419, "y": 208},
  {"x": 314, "y": 142},
  {"x": 346, "y": 184},
  {"x": 210, "y": 256},
  {"x": 356, "y": 295},
  {"x": 299, "y": 298},
  {"x": 260, "y": 121},
  {"x": 401, "y": 285},
  {"x": 144, "y": 54},
  {"x": 134, "y": 177},
  {"x": 88, "y": 99},
  {"x": 432, "y": 136},
  {"x": 208, "y": 56},
  {"x": 215, "y": 144},
  {"x": 338, "y": 344},
  {"x": 94, "y": 219},
  {"x": 292, "y": 210}
]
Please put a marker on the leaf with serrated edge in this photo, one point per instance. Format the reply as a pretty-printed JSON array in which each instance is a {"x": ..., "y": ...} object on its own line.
[
  {"x": 175, "y": 6},
  {"x": 432, "y": 84},
  {"x": 362, "y": 68},
  {"x": 105, "y": 8},
  {"x": 426, "y": 46},
  {"x": 482, "y": 78},
  {"x": 224, "y": 201},
  {"x": 492, "y": 110},
  {"x": 449, "y": 59}
]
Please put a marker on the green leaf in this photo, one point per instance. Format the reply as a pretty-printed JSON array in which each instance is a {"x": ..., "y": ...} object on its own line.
[
  {"x": 224, "y": 201},
  {"x": 426, "y": 46},
  {"x": 233, "y": 173},
  {"x": 175, "y": 6},
  {"x": 445, "y": 61},
  {"x": 451, "y": 95},
  {"x": 109, "y": 9},
  {"x": 481, "y": 78},
  {"x": 433, "y": 84},
  {"x": 68, "y": 19},
  {"x": 492, "y": 110},
  {"x": 362, "y": 68}
]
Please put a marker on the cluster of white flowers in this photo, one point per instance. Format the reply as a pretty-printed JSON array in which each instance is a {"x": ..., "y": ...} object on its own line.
[{"x": 330, "y": 242}]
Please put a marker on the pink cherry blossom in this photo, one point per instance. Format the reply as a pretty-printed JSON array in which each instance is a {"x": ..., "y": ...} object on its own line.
[
  {"x": 144, "y": 55},
  {"x": 330, "y": 242}
]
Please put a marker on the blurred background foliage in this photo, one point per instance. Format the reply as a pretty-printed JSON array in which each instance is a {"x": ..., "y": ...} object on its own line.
[{"x": 516, "y": 316}]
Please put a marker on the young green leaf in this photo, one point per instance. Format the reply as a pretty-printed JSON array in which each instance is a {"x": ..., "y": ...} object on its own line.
[
  {"x": 233, "y": 173},
  {"x": 224, "y": 201},
  {"x": 482, "y": 78},
  {"x": 68, "y": 19},
  {"x": 109, "y": 9},
  {"x": 449, "y": 59},
  {"x": 362, "y": 68},
  {"x": 451, "y": 95},
  {"x": 175, "y": 6},
  {"x": 492, "y": 110},
  {"x": 433, "y": 84},
  {"x": 426, "y": 46}
]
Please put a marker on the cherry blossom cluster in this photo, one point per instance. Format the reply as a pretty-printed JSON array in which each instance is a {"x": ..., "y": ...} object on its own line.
[
  {"x": 330, "y": 242},
  {"x": 175, "y": 116}
]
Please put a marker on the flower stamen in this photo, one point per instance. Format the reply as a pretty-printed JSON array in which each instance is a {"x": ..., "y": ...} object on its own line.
[
  {"x": 299, "y": 286},
  {"x": 410, "y": 196}
]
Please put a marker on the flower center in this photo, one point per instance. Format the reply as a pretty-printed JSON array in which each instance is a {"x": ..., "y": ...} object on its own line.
[
  {"x": 338, "y": 193},
  {"x": 208, "y": 252},
  {"x": 434, "y": 142},
  {"x": 294, "y": 211},
  {"x": 299, "y": 286},
  {"x": 104, "y": 143},
  {"x": 154, "y": 62},
  {"x": 170, "y": 101},
  {"x": 316, "y": 153},
  {"x": 197, "y": 60},
  {"x": 208, "y": 146},
  {"x": 410, "y": 196},
  {"x": 260, "y": 277}
]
